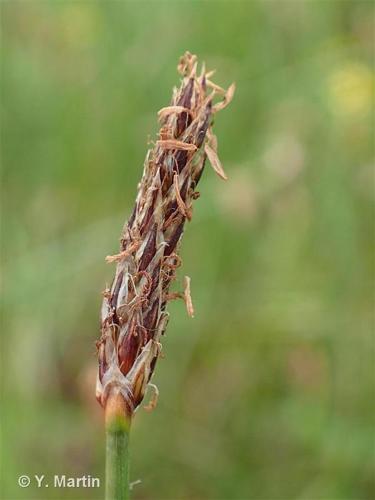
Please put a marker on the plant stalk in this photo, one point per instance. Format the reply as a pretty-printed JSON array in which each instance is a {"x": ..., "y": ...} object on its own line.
[
  {"x": 134, "y": 313},
  {"x": 118, "y": 420}
]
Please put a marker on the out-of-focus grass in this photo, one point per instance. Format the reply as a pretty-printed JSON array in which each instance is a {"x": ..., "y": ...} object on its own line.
[{"x": 269, "y": 392}]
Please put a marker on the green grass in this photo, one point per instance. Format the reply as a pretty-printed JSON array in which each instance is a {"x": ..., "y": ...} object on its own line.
[{"x": 268, "y": 394}]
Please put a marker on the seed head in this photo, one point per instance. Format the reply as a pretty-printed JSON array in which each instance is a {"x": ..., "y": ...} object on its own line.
[{"x": 134, "y": 315}]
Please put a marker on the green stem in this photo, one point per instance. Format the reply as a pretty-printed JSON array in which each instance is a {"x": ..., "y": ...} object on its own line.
[{"x": 117, "y": 456}]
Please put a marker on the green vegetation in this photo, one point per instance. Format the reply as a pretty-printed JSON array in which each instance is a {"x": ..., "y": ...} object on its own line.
[{"x": 268, "y": 393}]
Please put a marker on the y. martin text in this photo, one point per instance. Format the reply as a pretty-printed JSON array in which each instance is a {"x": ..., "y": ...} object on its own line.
[{"x": 63, "y": 481}]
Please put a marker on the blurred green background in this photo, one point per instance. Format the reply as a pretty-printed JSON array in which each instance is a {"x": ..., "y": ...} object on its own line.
[{"x": 269, "y": 392}]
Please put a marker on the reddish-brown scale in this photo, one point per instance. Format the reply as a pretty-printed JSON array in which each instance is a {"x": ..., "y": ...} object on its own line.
[
  {"x": 149, "y": 250},
  {"x": 180, "y": 160},
  {"x": 184, "y": 119},
  {"x": 155, "y": 279},
  {"x": 174, "y": 239},
  {"x": 116, "y": 289},
  {"x": 148, "y": 217},
  {"x": 150, "y": 320},
  {"x": 184, "y": 189}
]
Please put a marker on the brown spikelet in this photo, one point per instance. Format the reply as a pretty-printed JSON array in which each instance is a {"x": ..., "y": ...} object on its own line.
[{"x": 134, "y": 315}]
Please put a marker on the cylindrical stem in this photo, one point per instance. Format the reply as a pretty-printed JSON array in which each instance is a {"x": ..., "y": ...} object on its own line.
[{"x": 118, "y": 420}]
